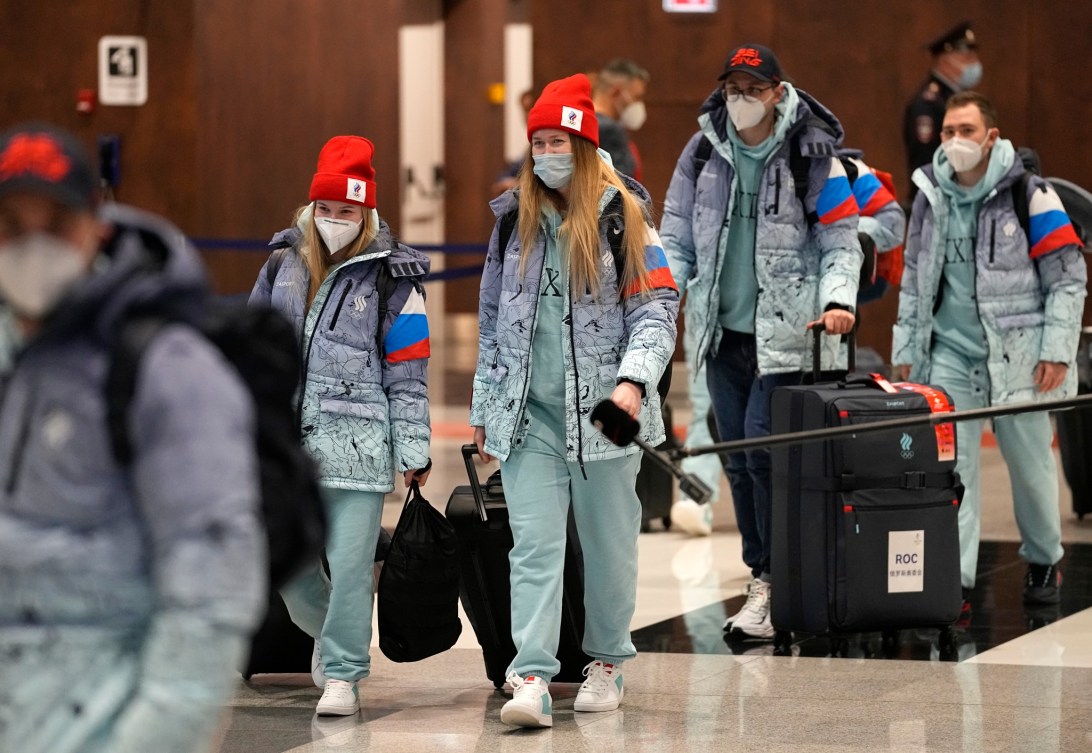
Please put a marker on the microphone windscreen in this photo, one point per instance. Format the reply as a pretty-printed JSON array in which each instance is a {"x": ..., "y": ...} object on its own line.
[{"x": 617, "y": 425}]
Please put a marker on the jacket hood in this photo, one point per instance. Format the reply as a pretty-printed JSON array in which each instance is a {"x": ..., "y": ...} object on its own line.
[
  {"x": 809, "y": 112},
  {"x": 925, "y": 176},
  {"x": 145, "y": 266}
]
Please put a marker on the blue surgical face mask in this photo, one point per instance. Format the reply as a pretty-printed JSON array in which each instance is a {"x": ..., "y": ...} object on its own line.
[
  {"x": 970, "y": 75},
  {"x": 555, "y": 170}
]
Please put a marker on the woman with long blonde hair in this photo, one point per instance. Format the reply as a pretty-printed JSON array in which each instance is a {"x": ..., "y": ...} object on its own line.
[
  {"x": 356, "y": 295},
  {"x": 577, "y": 306}
]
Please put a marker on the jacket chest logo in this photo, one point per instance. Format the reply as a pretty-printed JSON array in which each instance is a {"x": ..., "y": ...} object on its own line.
[
  {"x": 1009, "y": 229},
  {"x": 57, "y": 428}
]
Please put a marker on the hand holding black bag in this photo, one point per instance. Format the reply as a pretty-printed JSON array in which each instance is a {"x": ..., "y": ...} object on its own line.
[{"x": 418, "y": 599}]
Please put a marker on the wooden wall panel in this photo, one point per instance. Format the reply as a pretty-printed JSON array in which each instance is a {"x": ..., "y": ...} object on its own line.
[
  {"x": 276, "y": 80},
  {"x": 863, "y": 60},
  {"x": 49, "y": 50},
  {"x": 473, "y": 131}
]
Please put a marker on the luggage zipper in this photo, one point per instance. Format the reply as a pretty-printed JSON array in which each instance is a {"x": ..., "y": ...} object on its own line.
[{"x": 855, "y": 509}]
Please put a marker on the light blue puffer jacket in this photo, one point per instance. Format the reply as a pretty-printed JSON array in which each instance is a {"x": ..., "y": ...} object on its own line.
[
  {"x": 127, "y": 597},
  {"x": 364, "y": 410},
  {"x": 1030, "y": 308},
  {"x": 801, "y": 268},
  {"x": 609, "y": 339}
]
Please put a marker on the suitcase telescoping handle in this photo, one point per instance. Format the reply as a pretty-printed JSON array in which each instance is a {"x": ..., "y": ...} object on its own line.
[
  {"x": 817, "y": 349},
  {"x": 469, "y": 452}
]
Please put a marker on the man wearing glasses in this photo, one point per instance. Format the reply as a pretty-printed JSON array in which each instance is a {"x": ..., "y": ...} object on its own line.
[{"x": 767, "y": 245}]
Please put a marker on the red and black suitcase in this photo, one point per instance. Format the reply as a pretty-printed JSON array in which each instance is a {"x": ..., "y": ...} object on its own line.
[
  {"x": 480, "y": 517},
  {"x": 865, "y": 533}
]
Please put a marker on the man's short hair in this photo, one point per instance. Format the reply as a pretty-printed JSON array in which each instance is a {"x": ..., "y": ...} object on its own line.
[
  {"x": 962, "y": 99},
  {"x": 620, "y": 69}
]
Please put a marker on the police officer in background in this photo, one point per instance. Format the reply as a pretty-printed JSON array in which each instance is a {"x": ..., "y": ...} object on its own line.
[{"x": 955, "y": 68}]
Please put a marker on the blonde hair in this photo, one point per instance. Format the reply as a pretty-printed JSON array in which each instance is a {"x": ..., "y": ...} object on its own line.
[
  {"x": 580, "y": 227},
  {"x": 313, "y": 249}
]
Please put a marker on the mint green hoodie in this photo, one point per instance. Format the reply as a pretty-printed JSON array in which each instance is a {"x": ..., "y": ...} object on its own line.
[
  {"x": 957, "y": 325},
  {"x": 738, "y": 284}
]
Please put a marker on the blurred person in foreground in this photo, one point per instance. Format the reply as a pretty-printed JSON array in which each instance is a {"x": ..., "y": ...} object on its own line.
[{"x": 127, "y": 594}]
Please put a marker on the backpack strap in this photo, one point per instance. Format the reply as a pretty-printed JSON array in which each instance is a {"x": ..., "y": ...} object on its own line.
[
  {"x": 121, "y": 381},
  {"x": 702, "y": 152},
  {"x": 508, "y": 223},
  {"x": 1020, "y": 202}
]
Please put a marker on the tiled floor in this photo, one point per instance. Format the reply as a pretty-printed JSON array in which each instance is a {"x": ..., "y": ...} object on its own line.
[{"x": 1012, "y": 680}]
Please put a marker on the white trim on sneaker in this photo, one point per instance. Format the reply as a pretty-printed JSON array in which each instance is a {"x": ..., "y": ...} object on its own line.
[
  {"x": 747, "y": 591},
  {"x": 339, "y": 698},
  {"x": 603, "y": 689},
  {"x": 318, "y": 675},
  {"x": 754, "y": 620},
  {"x": 531, "y": 704},
  {"x": 692, "y": 518}
]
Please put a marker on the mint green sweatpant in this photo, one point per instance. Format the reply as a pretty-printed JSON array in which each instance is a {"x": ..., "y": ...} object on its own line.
[{"x": 540, "y": 484}]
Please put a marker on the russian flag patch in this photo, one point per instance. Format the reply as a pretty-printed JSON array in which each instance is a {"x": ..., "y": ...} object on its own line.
[
  {"x": 869, "y": 193},
  {"x": 408, "y": 336},
  {"x": 1049, "y": 227},
  {"x": 836, "y": 200},
  {"x": 659, "y": 273}
]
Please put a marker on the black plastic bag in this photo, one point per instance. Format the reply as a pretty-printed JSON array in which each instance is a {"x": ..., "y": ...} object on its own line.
[{"x": 418, "y": 590}]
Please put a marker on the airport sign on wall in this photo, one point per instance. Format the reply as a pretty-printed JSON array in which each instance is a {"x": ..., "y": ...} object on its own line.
[
  {"x": 123, "y": 70},
  {"x": 690, "y": 6}
]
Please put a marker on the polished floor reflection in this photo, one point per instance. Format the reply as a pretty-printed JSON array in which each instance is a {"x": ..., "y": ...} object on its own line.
[{"x": 1011, "y": 681}]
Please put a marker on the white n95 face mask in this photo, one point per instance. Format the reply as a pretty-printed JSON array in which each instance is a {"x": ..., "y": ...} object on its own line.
[
  {"x": 555, "y": 170},
  {"x": 746, "y": 113},
  {"x": 36, "y": 270},
  {"x": 963, "y": 154},
  {"x": 337, "y": 234},
  {"x": 633, "y": 116}
]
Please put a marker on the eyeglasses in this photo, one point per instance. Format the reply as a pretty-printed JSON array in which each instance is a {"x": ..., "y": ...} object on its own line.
[{"x": 751, "y": 93}]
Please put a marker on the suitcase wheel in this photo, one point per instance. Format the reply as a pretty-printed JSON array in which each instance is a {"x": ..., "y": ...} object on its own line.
[
  {"x": 782, "y": 642},
  {"x": 890, "y": 643},
  {"x": 667, "y": 522}
]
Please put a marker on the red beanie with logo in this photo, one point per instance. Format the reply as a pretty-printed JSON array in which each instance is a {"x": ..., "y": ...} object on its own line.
[
  {"x": 345, "y": 172},
  {"x": 566, "y": 104}
]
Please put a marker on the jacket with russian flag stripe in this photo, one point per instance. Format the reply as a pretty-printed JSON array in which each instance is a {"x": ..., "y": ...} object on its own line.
[
  {"x": 802, "y": 267},
  {"x": 364, "y": 404},
  {"x": 610, "y": 337},
  {"x": 1030, "y": 290}
]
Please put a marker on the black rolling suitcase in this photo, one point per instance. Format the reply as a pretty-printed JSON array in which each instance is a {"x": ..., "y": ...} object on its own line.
[
  {"x": 655, "y": 485},
  {"x": 480, "y": 518},
  {"x": 1075, "y": 434},
  {"x": 864, "y": 534},
  {"x": 281, "y": 647}
]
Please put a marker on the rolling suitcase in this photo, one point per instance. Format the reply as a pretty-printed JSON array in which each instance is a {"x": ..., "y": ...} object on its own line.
[
  {"x": 480, "y": 518},
  {"x": 279, "y": 646},
  {"x": 655, "y": 485},
  {"x": 864, "y": 533},
  {"x": 1075, "y": 434}
]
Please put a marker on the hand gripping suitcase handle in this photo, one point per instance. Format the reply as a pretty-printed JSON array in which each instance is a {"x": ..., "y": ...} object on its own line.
[
  {"x": 817, "y": 349},
  {"x": 469, "y": 452}
]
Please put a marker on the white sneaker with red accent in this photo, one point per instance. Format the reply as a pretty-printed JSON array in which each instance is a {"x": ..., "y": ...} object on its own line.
[
  {"x": 603, "y": 690},
  {"x": 338, "y": 699},
  {"x": 531, "y": 705}
]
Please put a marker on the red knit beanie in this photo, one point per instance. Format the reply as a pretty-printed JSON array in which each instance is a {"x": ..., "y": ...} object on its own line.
[
  {"x": 566, "y": 104},
  {"x": 345, "y": 172}
]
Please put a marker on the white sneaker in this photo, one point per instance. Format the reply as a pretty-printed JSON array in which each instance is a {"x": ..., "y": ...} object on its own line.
[
  {"x": 317, "y": 675},
  {"x": 338, "y": 699},
  {"x": 754, "y": 620},
  {"x": 692, "y": 518},
  {"x": 531, "y": 705},
  {"x": 603, "y": 690},
  {"x": 747, "y": 590}
]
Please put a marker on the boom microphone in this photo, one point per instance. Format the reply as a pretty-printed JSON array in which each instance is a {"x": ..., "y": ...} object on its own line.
[{"x": 622, "y": 429}]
